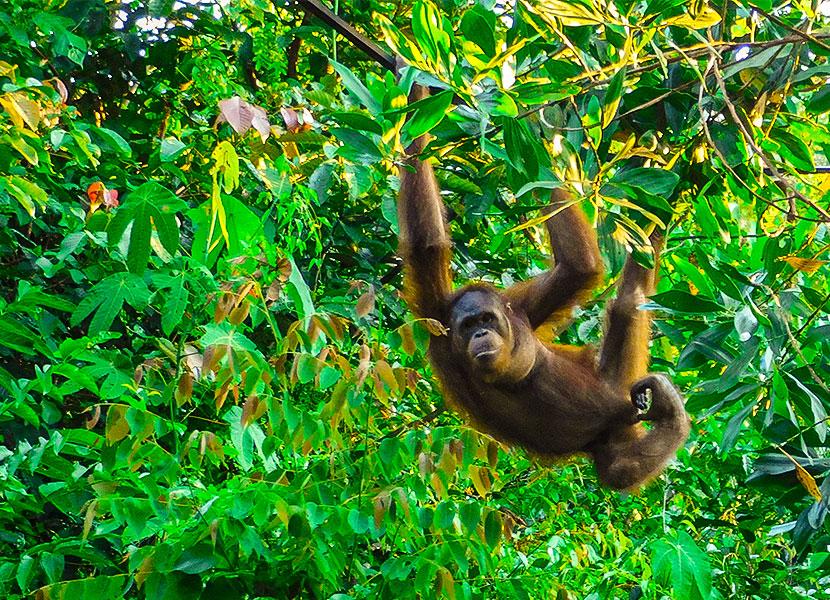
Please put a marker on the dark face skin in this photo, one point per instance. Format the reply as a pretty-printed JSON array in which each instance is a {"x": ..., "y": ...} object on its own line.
[{"x": 481, "y": 330}]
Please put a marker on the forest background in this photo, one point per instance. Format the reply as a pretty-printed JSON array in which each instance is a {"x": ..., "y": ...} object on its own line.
[{"x": 210, "y": 386}]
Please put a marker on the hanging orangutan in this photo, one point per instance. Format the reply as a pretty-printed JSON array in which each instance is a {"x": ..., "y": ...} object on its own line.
[{"x": 554, "y": 400}]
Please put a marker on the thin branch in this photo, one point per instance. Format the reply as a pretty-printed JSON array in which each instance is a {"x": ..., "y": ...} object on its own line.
[
  {"x": 794, "y": 30},
  {"x": 782, "y": 183},
  {"x": 697, "y": 51}
]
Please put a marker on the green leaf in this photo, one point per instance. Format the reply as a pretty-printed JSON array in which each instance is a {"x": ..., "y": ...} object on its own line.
[
  {"x": 793, "y": 149},
  {"x": 470, "y": 514},
  {"x": 27, "y": 193},
  {"x": 223, "y": 334},
  {"x": 356, "y": 147},
  {"x": 654, "y": 181},
  {"x": 729, "y": 142},
  {"x": 427, "y": 28},
  {"x": 114, "y": 140},
  {"x": 682, "y": 566},
  {"x": 170, "y": 149},
  {"x": 20, "y": 338},
  {"x": 175, "y": 303},
  {"x": 612, "y": 97},
  {"x": 522, "y": 147},
  {"x": 816, "y": 407},
  {"x": 733, "y": 428},
  {"x": 30, "y": 296},
  {"x": 820, "y": 101},
  {"x": 492, "y": 528},
  {"x": 745, "y": 323},
  {"x": 150, "y": 206},
  {"x": 328, "y": 377},
  {"x": 684, "y": 302},
  {"x": 196, "y": 559},
  {"x": 478, "y": 26},
  {"x": 307, "y": 367},
  {"x": 428, "y": 113},
  {"x": 297, "y": 290},
  {"x": 356, "y": 87},
  {"x": 357, "y": 120},
  {"x": 107, "y": 298}
]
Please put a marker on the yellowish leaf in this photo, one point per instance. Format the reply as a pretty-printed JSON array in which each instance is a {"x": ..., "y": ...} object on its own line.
[
  {"x": 806, "y": 265},
  {"x": 89, "y": 517},
  {"x": 807, "y": 480},
  {"x": 481, "y": 480},
  {"x": 21, "y": 109},
  {"x": 707, "y": 17},
  {"x": 570, "y": 14},
  {"x": 117, "y": 427}
]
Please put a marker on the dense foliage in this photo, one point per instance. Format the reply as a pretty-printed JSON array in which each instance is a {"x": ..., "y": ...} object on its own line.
[{"x": 210, "y": 387}]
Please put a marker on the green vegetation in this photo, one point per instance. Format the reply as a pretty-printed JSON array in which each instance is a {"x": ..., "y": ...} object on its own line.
[{"x": 210, "y": 386}]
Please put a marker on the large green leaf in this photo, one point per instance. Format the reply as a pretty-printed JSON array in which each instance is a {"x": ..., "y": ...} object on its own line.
[
  {"x": 150, "y": 207},
  {"x": 107, "y": 298},
  {"x": 678, "y": 562},
  {"x": 428, "y": 113}
]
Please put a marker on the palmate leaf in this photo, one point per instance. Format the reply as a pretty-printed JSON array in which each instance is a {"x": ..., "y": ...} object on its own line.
[
  {"x": 685, "y": 567},
  {"x": 107, "y": 299},
  {"x": 150, "y": 206},
  {"x": 176, "y": 299}
]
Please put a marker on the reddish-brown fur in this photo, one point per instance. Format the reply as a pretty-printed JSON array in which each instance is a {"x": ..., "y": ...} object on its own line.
[{"x": 554, "y": 400}]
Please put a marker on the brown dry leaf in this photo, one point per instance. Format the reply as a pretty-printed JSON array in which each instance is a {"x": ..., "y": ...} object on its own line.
[
  {"x": 315, "y": 328},
  {"x": 213, "y": 355},
  {"x": 366, "y": 302},
  {"x": 272, "y": 294},
  {"x": 240, "y": 313},
  {"x": 439, "y": 486},
  {"x": 184, "y": 389},
  {"x": 381, "y": 505},
  {"x": 292, "y": 119},
  {"x": 283, "y": 267},
  {"x": 337, "y": 332},
  {"x": 362, "y": 366},
  {"x": 804, "y": 477},
  {"x": 58, "y": 85},
  {"x": 403, "y": 502},
  {"x": 425, "y": 464},
  {"x": 237, "y": 113},
  {"x": 221, "y": 395},
  {"x": 260, "y": 123},
  {"x": 447, "y": 463},
  {"x": 144, "y": 571},
  {"x": 223, "y": 307},
  {"x": 252, "y": 409},
  {"x": 434, "y": 327},
  {"x": 457, "y": 448},
  {"x": 492, "y": 453},
  {"x": 96, "y": 416}
]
